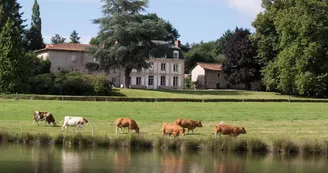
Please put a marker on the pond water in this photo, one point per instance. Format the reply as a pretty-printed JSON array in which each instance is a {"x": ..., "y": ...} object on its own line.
[{"x": 31, "y": 158}]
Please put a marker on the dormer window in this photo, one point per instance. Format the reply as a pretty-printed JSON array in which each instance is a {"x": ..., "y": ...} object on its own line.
[
  {"x": 151, "y": 55},
  {"x": 165, "y": 55},
  {"x": 176, "y": 54}
]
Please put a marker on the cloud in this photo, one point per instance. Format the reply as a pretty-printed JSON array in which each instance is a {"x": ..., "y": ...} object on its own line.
[{"x": 248, "y": 7}]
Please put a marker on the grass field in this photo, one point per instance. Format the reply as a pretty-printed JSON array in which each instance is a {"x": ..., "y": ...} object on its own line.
[
  {"x": 204, "y": 94},
  {"x": 189, "y": 94},
  {"x": 266, "y": 121}
]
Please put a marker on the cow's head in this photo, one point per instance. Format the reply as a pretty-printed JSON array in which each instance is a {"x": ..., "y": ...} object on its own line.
[
  {"x": 85, "y": 121},
  {"x": 199, "y": 124},
  {"x": 137, "y": 130},
  {"x": 242, "y": 130},
  {"x": 36, "y": 114}
]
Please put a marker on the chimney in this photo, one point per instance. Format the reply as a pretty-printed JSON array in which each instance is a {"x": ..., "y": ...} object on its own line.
[{"x": 177, "y": 43}]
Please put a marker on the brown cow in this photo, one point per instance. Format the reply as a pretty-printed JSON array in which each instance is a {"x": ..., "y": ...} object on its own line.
[
  {"x": 43, "y": 116},
  {"x": 228, "y": 130},
  {"x": 189, "y": 124},
  {"x": 173, "y": 129},
  {"x": 126, "y": 122}
]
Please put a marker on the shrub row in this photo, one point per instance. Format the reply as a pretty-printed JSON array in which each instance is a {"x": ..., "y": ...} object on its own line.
[
  {"x": 69, "y": 83},
  {"x": 164, "y": 143},
  {"x": 113, "y": 97}
]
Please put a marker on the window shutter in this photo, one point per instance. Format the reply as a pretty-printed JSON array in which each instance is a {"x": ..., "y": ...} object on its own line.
[
  {"x": 172, "y": 77},
  {"x": 179, "y": 81},
  {"x": 142, "y": 81},
  {"x": 133, "y": 78},
  {"x": 179, "y": 68},
  {"x": 167, "y": 81},
  {"x": 155, "y": 82}
]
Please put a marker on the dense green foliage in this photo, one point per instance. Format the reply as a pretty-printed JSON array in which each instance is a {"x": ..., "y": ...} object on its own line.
[
  {"x": 75, "y": 37},
  {"x": 202, "y": 52},
  {"x": 293, "y": 46},
  {"x": 33, "y": 35},
  {"x": 11, "y": 10},
  {"x": 210, "y": 52},
  {"x": 71, "y": 83},
  {"x": 240, "y": 66},
  {"x": 12, "y": 60},
  {"x": 57, "y": 39}
]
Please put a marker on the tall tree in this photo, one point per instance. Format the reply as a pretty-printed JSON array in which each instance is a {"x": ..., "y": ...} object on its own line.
[
  {"x": 294, "y": 45},
  {"x": 34, "y": 35},
  {"x": 11, "y": 10},
  {"x": 126, "y": 35},
  {"x": 240, "y": 66},
  {"x": 57, "y": 39},
  {"x": 12, "y": 74},
  {"x": 75, "y": 37}
]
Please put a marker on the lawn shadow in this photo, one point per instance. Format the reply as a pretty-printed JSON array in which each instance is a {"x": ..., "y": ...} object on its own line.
[{"x": 206, "y": 92}]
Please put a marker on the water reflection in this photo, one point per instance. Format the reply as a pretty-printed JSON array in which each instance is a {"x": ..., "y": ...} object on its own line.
[
  {"x": 38, "y": 159},
  {"x": 225, "y": 163},
  {"x": 42, "y": 161},
  {"x": 172, "y": 162},
  {"x": 72, "y": 161},
  {"x": 122, "y": 159}
]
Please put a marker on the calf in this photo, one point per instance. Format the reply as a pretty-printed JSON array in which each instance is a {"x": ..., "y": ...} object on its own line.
[
  {"x": 126, "y": 122},
  {"x": 43, "y": 116},
  {"x": 173, "y": 129},
  {"x": 74, "y": 121},
  {"x": 189, "y": 124},
  {"x": 228, "y": 130}
]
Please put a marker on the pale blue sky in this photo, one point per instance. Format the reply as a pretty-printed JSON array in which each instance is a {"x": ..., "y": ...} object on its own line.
[{"x": 196, "y": 20}]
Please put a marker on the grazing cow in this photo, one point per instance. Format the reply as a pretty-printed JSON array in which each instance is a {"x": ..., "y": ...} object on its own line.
[
  {"x": 47, "y": 117},
  {"x": 221, "y": 128},
  {"x": 126, "y": 122},
  {"x": 173, "y": 129},
  {"x": 74, "y": 121},
  {"x": 189, "y": 124}
]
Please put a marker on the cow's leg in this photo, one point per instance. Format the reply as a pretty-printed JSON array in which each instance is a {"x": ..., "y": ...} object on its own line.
[
  {"x": 192, "y": 130},
  {"x": 121, "y": 129},
  {"x": 116, "y": 129},
  {"x": 33, "y": 122}
]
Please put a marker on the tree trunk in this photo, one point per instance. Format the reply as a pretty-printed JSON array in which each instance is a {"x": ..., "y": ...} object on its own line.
[{"x": 127, "y": 73}]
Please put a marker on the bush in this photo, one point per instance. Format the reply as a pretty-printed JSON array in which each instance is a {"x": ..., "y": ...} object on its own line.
[
  {"x": 70, "y": 83},
  {"x": 43, "y": 84}
]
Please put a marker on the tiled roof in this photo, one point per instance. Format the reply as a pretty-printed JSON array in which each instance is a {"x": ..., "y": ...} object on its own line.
[
  {"x": 65, "y": 47},
  {"x": 210, "y": 66}
]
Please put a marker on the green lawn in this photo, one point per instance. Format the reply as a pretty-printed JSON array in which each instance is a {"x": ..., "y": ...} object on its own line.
[
  {"x": 203, "y": 94},
  {"x": 298, "y": 121}
]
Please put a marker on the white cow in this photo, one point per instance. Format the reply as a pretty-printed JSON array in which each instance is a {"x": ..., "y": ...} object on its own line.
[{"x": 74, "y": 121}]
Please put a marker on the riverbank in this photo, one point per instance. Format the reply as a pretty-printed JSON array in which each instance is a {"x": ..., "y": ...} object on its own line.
[{"x": 219, "y": 144}]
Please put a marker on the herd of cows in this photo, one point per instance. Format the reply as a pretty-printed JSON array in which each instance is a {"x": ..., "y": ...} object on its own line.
[{"x": 177, "y": 128}]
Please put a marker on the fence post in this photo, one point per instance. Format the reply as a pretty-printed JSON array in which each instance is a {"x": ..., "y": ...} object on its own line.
[
  {"x": 92, "y": 131},
  {"x": 16, "y": 96}
]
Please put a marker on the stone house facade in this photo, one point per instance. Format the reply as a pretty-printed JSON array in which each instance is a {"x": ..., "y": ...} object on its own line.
[
  {"x": 166, "y": 71},
  {"x": 212, "y": 76}
]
